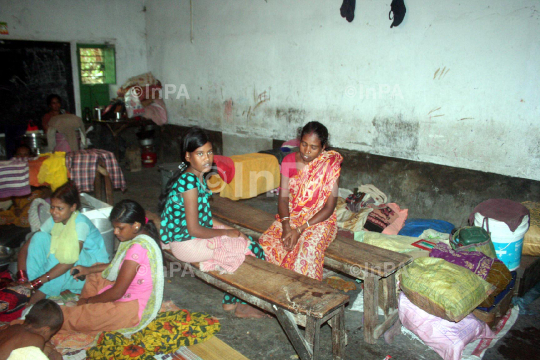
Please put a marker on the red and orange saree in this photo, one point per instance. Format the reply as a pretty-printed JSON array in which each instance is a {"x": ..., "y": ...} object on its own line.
[{"x": 309, "y": 190}]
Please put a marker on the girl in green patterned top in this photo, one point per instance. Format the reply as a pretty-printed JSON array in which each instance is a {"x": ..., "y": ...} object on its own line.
[{"x": 187, "y": 226}]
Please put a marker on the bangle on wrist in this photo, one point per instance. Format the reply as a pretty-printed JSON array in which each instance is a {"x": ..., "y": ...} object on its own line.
[
  {"x": 307, "y": 222},
  {"x": 285, "y": 218},
  {"x": 298, "y": 230},
  {"x": 36, "y": 284},
  {"x": 48, "y": 277}
]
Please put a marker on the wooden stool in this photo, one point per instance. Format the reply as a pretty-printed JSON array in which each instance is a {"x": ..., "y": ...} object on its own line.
[{"x": 103, "y": 180}]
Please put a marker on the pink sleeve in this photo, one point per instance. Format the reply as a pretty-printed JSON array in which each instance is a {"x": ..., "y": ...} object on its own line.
[
  {"x": 136, "y": 253},
  {"x": 288, "y": 166}
]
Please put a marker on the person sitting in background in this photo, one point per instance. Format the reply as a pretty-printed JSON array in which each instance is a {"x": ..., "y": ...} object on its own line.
[
  {"x": 306, "y": 222},
  {"x": 30, "y": 340},
  {"x": 54, "y": 103},
  {"x": 66, "y": 239},
  {"x": 17, "y": 214},
  {"x": 23, "y": 152},
  {"x": 126, "y": 294}
]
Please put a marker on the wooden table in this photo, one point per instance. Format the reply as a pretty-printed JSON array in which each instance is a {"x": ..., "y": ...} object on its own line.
[{"x": 117, "y": 126}]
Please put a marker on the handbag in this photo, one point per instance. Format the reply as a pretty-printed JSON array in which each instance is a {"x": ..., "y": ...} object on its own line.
[{"x": 473, "y": 238}]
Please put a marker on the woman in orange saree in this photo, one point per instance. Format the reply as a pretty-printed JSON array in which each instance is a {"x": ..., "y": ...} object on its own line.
[{"x": 306, "y": 221}]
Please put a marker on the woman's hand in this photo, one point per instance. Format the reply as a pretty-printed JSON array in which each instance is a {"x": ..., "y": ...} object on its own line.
[
  {"x": 82, "y": 301},
  {"x": 287, "y": 230},
  {"x": 82, "y": 271},
  {"x": 291, "y": 240}
]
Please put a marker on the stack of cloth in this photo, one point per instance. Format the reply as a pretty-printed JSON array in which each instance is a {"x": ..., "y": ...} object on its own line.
[{"x": 14, "y": 178}]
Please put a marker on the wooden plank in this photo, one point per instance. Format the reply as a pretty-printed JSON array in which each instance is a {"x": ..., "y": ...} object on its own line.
[
  {"x": 300, "y": 344},
  {"x": 370, "y": 258},
  {"x": 282, "y": 287},
  {"x": 239, "y": 213},
  {"x": 354, "y": 255}
]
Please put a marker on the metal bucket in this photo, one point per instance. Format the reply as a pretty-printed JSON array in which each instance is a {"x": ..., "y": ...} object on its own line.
[{"x": 37, "y": 142}]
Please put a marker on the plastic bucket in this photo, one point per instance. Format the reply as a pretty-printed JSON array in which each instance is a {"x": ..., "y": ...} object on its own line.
[
  {"x": 107, "y": 231},
  {"x": 508, "y": 244}
]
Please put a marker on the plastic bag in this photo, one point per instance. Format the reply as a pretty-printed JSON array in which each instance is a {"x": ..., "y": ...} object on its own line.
[{"x": 133, "y": 104}]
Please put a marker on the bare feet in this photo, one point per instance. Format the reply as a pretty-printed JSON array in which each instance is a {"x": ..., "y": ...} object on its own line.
[
  {"x": 230, "y": 307},
  {"x": 250, "y": 312}
]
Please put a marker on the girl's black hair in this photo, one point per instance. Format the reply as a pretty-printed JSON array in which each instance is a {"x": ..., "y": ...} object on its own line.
[
  {"x": 128, "y": 212},
  {"x": 68, "y": 193},
  {"x": 53, "y": 96},
  {"x": 316, "y": 128},
  {"x": 194, "y": 139}
]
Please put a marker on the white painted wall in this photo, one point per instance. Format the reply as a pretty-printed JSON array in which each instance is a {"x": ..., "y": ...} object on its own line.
[
  {"x": 117, "y": 22},
  {"x": 455, "y": 84}
]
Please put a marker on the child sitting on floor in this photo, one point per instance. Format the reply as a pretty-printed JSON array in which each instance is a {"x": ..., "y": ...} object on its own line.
[{"x": 31, "y": 337}]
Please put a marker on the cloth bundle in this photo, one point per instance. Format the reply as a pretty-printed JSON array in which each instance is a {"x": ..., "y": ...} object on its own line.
[{"x": 82, "y": 167}]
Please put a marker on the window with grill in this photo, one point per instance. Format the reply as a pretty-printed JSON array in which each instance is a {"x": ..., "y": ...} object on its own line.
[{"x": 97, "y": 64}]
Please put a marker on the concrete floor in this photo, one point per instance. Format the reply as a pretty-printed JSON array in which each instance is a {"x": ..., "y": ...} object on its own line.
[{"x": 264, "y": 339}]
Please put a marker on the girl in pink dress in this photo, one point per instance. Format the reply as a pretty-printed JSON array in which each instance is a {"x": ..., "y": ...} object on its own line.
[{"x": 126, "y": 294}]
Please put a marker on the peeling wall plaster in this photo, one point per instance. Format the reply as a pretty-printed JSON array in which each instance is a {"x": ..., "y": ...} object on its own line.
[{"x": 455, "y": 84}]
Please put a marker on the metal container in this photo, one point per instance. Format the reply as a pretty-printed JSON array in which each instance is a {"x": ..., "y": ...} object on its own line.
[
  {"x": 37, "y": 142},
  {"x": 5, "y": 254},
  {"x": 146, "y": 142}
]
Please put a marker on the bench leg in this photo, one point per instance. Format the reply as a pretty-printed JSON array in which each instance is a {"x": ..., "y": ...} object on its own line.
[
  {"x": 372, "y": 329},
  {"x": 301, "y": 345},
  {"x": 313, "y": 331},
  {"x": 389, "y": 294},
  {"x": 371, "y": 307},
  {"x": 338, "y": 334}
]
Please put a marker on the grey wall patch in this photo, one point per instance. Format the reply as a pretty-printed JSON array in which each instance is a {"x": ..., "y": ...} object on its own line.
[
  {"x": 396, "y": 137},
  {"x": 293, "y": 116}
]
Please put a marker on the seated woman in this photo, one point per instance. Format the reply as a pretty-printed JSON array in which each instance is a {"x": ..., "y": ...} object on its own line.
[
  {"x": 306, "y": 222},
  {"x": 187, "y": 226},
  {"x": 66, "y": 239},
  {"x": 126, "y": 294}
]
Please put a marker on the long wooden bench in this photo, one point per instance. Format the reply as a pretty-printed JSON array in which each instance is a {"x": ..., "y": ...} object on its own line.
[
  {"x": 375, "y": 266},
  {"x": 295, "y": 299}
]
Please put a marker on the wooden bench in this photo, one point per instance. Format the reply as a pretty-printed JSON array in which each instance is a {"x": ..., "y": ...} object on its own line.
[
  {"x": 294, "y": 298},
  {"x": 376, "y": 266}
]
